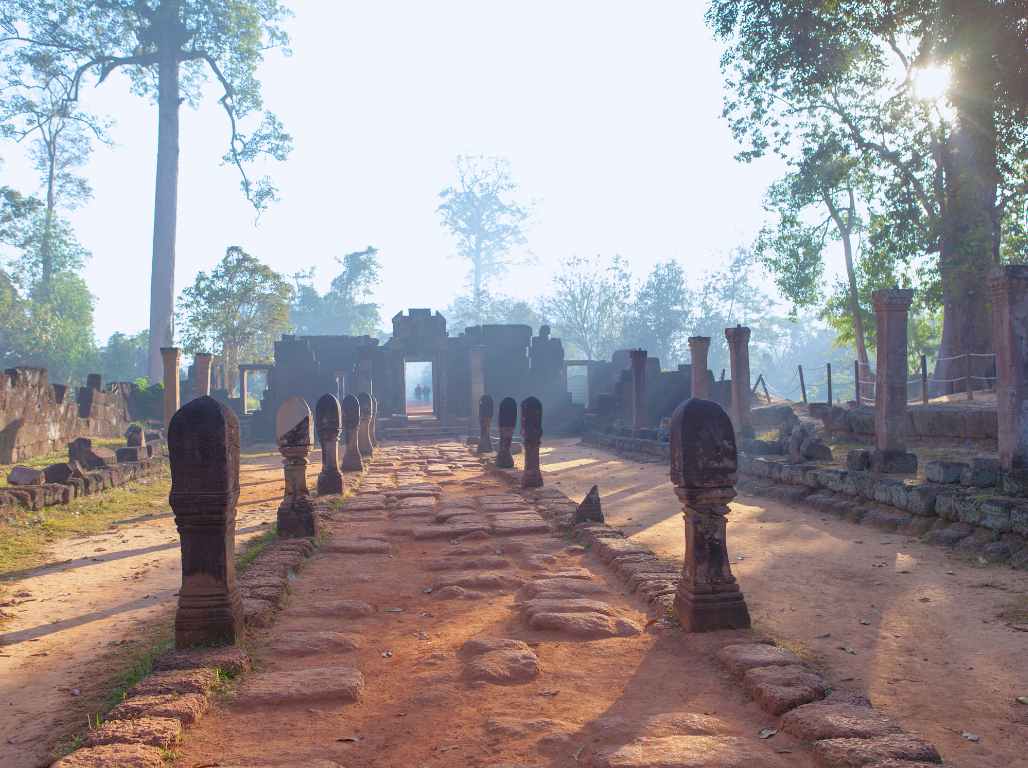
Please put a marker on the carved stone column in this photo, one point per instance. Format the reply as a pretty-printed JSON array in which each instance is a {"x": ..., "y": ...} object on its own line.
[
  {"x": 202, "y": 373},
  {"x": 739, "y": 354},
  {"x": 638, "y": 357},
  {"x": 890, "y": 454},
  {"x": 374, "y": 422},
  {"x": 171, "y": 357},
  {"x": 1009, "y": 287},
  {"x": 328, "y": 421},
  {"x": 244, "y": 390},
  {"x": 364, "y": 428},
  {"x": 703, "y": 471},
  {"x": 485, "y": 423},
  {"x": 351, "y": 409},
  {"x": 296, "y": 516},
  {"x": 203, "y": 449},
  {"x": 699, "y": 349},
  {"x": 476, "y": 358},
  {"x": 531, "y": 437},
  {"x": 508, "y": 419}
]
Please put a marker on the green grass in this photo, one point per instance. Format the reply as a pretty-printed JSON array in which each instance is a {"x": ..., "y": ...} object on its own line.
[
  {"x": 57, "y": 457},
  {"x": 253, "y": 548}
]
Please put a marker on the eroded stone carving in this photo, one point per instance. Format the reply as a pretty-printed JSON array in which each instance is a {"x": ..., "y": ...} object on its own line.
[
  {"x": 351, "y": 409},
  {"x": 532, "y": 437},
  {"x": 296, "y": 517},
  {"x": 508, "y": 419},
  {"x": 485, "y": 424},
  {"x": 328, "y": 420},
  {"x": 364, "y": 425}
]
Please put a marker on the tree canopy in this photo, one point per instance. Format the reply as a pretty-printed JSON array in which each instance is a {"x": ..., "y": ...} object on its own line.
[{"x": 345, "y": 308}]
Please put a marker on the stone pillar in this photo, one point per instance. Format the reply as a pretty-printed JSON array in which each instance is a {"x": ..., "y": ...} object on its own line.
[
  {"x": 1009, "y": 287},
  {"x": 203, "y": 449},
  {"x": 739, "y": 354},
  {"x": 294, "y": 433},
  {"x": 508, "y": 418},
  {"x": 328, "y": 421},
  {"x": 94, "y": 381},
  {"x": 364, "y": 427},
  {"x": 639, "y": 420},
  {"x": 703, "y": 470},
  {"x": 485, "y": 424},
  {"x": 351, "y": 409},
  {"x": 202, "y": 373},
  {"x": 441, "y": 386},
  {"x": 890, "y": 454},
  {"x": 244, "y": 390},
  {"x": 699, "y": 348},
  {"x": 363, "y": 373},
  {"x": 477, "y": 362},
  {"x": 171, "y": 357},
  {"x": 531, "y": 437},
  {"x": 374, "y": 421}
]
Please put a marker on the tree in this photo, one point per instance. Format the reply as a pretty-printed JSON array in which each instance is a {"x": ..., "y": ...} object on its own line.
[
  {"x": 123, "y": 357},
  {"x": 658, "y": 313},
  {"x": 35, "y": 105},
  {"x": 237, "y": 311},
  {"x": 481, "y": 214},
  {"x": 588, "y": 304},
  {"x": 496, "y": 309},
  {"x": 947, "y": 169},
  {"x": 344, "y": 309},
  {"x": 168, "y": 48}
]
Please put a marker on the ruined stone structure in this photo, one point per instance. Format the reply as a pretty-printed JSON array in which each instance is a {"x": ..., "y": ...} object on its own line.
[
  {"x": 739, "y": 354},
  {"x": 890, "y": 454},
  {"x": 328, "y": 418},
  {"x": 704, "y": 464},
  {"x": 296, "y": 517},
  {"x": 640, "y": 415},
  {"x": 508, "y": 419},
  {"x": 1010, "y": 335},
  {"x": 485, "y": 423},
  {"x": 203, "y": 446},
  {"x": 699, "y": 348},
  {"x": 532, "y": 437},
  {"x": 37, "y": 417},
  {"x": 172, "y": 358}
]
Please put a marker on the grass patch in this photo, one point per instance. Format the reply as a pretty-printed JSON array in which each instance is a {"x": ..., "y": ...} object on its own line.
[
  {"x": 56, "y": 457},
  {"x": 252, "y": 548},
  {"x": 25, "y": 535}
]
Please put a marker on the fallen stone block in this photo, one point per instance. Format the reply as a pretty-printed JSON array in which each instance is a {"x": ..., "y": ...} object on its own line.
[
  {"x": 110, "y": 755},
  {"x": 830, "y": 720},
  {"x": 315, "y": 685},
  {"x": 740, "y": 658},
  {"x": 944, "y": 471},
  {"x": 231, "y": 660},
  {"x": 312, "y": 643},
  {"x": 175, "y": 681},
  {"x": 590, "y": 625},
  {"x": 503, "y": 667},
  {"x": 691, "y": 752},
  {"x": 161, "y": 732},
  {"x": 857, "y": 753},
  {"x": 187, "y": 708},
  {"x": 25, "y": 476},
  {"x": 780, "y": 688}
]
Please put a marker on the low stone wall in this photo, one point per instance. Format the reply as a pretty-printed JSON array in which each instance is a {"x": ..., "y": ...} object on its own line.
[
  {"x": 630, "y": 445},
  {"x": 923, "y": 421},
  {"x": 37, "y": 417}
]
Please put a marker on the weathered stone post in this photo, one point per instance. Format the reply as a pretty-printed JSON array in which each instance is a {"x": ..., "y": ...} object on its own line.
[
  {"x": 1009, "y": 287},
  {"x": 890, "y": 454},
  {"x": 364, "y": 429},
  {"x": 374, "y": 422},
  {"x": 293, "y": 428},
  {"x": 485, "y": 424},
  {"x": 94, "y": 381},
  {"x": 703, "y": 471},
  {"x": 531, "y": 437},
  {"x": 171, "y": 357},
  {"x": 638, "y": 357},
  {"x": 328, "y": 421},
  {"x": 351, "y": 409},
  {"x": 699, "y": 349},
  {"x": 244, "y": 389},
  {"x": 477, "y": 361},
  {"x": 202, "y": 373},
  {"x": 508, "y": 418},
  {"x": 203, "y": 448},
  {"x": 739, "y": 355}
]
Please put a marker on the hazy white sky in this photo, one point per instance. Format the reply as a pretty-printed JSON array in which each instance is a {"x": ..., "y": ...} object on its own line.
[{"x": 608, "y": 111}]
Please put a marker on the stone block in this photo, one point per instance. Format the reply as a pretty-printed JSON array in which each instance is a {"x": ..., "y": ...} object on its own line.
[
  {"x": 945, "y": 471},
  {"x": 307, "y": 687},
  {"x": 981, "y": 472},
  {"x": 161, "y": 732},
  {"x": 1019, "y": 518},
  {"x": 994, "y": 514},
  {"x": 781, "y": 688},
  {"x": 129, "y": 454},
  {"x": 920, "y": 500},
  {"x": 887, "y": 491},
  {"x": 832, "y": 720},
  {"x": 951, "y": 535},
  {"x": 893, "y": 462},
  {"x": 815, "y": 449},
  {"x": 681, "y": 751},
  {"x": 26, "y": 476},
  {"x": 886, "y": 518},
  {"x": 110, "y": 755},
  {"x": 742, "y": 657},
  {"x": 854, "y": 753}
]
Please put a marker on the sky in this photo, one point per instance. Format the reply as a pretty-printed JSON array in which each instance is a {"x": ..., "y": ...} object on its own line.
[{"x": 609, "y": 113}]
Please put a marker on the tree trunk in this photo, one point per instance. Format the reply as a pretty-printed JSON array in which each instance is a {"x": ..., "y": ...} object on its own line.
[
  {"x": 967, "y": 252},
  {"x": 162, "y": 272},
  {"x": 46, "y": 247}
]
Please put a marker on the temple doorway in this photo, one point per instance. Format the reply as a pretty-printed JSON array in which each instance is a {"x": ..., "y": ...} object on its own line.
[{"x": 420, "y": 390}]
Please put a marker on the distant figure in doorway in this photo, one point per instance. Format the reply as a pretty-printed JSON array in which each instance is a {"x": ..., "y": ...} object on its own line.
[
  {"x": 417, "y": 392},
  {"x": 428, "y": 394}
]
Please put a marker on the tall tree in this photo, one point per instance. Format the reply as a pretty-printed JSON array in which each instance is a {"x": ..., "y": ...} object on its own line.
[
  {"x": 169, "y": 48},
  {"x": 346, "y": 307},
  {"x": 658, "y": 313},
  {"x": 487, "y": 222},
  {"x": 950, "y": 167},
  {"x": 588, "y": 303},
  {"x": 123, "y": 357},
  {"x": 238, "y": 310},
  {"x": 494, "y": 308}
]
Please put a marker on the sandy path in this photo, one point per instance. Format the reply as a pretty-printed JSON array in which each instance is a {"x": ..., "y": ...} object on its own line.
[
  {"x": 921, "y": 626},
  {"x": 99, "y": 590},
  {"x": 420, "y": 707}
]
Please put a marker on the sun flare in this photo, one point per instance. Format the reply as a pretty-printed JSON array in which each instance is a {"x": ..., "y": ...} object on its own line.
[{"x": 932, "y": 83}]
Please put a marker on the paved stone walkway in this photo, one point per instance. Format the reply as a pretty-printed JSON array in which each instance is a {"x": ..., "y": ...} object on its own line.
[{"x": 442, "y": 624}]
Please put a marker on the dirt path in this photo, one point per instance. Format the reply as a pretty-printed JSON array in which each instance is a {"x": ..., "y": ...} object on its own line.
[
  {"x": 412, "y": 572},
  {"x": 925, "y": 633},
  {"x": 100, "y": 592}
]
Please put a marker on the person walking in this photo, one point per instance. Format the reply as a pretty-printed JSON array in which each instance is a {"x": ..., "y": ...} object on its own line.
[{"x": 417, "y": 392}]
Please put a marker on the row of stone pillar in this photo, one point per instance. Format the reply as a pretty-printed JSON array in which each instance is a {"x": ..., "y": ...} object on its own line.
[{"x": 531, "y": 434}]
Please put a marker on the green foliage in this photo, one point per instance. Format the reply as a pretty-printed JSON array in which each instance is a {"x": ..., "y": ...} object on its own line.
[
  {"x": 123, "y": 357},
  {"x": 345, "y": 308},
  {"x": 485, "y": 220},
  {"x": 238, "y": 310},
  {"x": 494, "y": 309},
  {"x": 656, "y": 318},
  {"x": 588, "y": 305}
]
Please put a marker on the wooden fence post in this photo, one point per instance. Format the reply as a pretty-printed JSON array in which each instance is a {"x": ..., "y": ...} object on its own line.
[
  {"x": 967, "y": 376},
  {"x": 828, "y": 381},
  {"x": 924, "y": 379},
  {"x": 803, "y": 385},
  {"x": 856, "y": 381}
]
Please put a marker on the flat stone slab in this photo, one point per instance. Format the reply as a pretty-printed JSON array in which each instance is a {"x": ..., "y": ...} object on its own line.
[
  {"x": 572, "y": 586},
  {"x": 357, "y": 545},
  {"x": 504, "y": 666},
  {"x": 737, "y": 659},
  {"x": 518, "y": 527},
  {"x": 479, "y": 645},
  {"x": 442, "y": 515},
  {"x": 480, "y": 581},
  {"x": 417, "y": 502},
  {"x": 589, "y": 626},
  {"x": 620, "y": 728},
  {"x": 828, "y": 720},
  {"x": 161, "y": 732},
  {"x": 779, "y": 689},
  {"x": 449, "y": 531},
  {"x": 568, "y": 605},
  {"x": 311, "y": 643},
  {"x": 175, "y": 681},
  {"x": 467, "y": 564},
  {"x": 258, "y": 612},
  {"x": 855, "y": 753},
  {"x": 187, "y": 708},
  {"x": 691, "y": 752},
  {"x": 306, "y": 686},
  {"x": 110, "y": 755},
  {"x": 346, "y": 609},
  {"x": 231, "y": 660}
]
